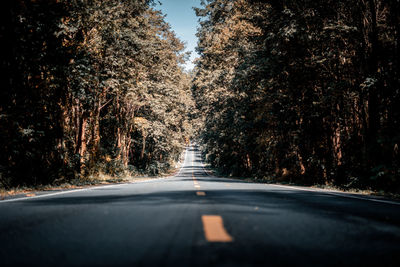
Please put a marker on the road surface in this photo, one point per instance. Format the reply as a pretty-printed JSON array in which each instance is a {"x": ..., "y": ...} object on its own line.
[{"x": 194, "y": 219}]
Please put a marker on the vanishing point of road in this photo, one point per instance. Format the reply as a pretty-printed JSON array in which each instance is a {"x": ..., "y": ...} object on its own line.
[{"x": 194, "y": 219}]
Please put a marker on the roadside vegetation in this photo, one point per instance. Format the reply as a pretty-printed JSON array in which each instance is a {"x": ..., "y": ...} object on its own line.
[
  {"x": 89, "y": 89},
  {"x": 304, "y": 91}
]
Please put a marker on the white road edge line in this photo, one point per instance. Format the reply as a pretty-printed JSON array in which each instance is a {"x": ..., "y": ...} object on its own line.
[
  {"x": 202, "y": 166},
  {"x": 45, "y": 195},
  {"x": 340, "y": 194},
  {"x": 69, "y": 191},
  {"x": 89, "y": 188},
  {"x": 183, "y": 164}
]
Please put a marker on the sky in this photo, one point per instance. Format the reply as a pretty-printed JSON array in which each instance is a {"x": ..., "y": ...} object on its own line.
[{"x": 183, "y": 21}]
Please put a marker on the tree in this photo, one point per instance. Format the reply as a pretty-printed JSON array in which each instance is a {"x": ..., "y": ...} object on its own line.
[
  {"x": 89, "y": 84},
  {"x": 293, "y": 90}
]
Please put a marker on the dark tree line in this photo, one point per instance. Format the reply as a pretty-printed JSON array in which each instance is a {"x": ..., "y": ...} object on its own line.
[
  {"x": 301, "y": 90},
  {"x": 89, "y": 86}
]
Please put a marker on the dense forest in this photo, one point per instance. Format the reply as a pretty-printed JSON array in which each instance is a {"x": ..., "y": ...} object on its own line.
[
  {"x": 303, "y": 91},
  {"x": 88, "y": 87}
]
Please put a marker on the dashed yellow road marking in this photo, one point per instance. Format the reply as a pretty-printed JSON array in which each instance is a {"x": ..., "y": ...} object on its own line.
[
  {"x": 214, "y": 230},
  {"x": 196, "y": 184}
]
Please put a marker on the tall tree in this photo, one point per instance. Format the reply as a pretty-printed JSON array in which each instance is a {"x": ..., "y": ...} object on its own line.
[
  {"x": 293, "y": 90},
  {"x": 90, "y": 86}
]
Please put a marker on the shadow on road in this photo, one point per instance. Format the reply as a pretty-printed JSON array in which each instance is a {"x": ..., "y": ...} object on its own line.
[{"x": 274, "y": 202}]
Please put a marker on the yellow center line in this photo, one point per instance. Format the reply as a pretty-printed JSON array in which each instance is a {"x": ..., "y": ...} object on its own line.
[
  {"x": 200, "y": 193},
  {"x": 214, "y": 230},
  {"x": 196, "y": 184}
]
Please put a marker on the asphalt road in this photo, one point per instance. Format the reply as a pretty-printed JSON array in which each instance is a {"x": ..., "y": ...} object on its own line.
[{"x": 194, "y": 219}]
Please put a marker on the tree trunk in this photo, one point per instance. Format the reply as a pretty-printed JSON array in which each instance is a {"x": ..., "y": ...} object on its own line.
[
  {"x": 96, "y": 134},
  {"x": 83, "y": 139},
  {"x": 143, "y": 147},
  {"x": 373, "y": 103}
]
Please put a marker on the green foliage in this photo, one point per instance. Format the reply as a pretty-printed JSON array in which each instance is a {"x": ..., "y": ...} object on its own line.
[
  {"x": 90, "y": 86},
  {"x": 298, "y": 91}
]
